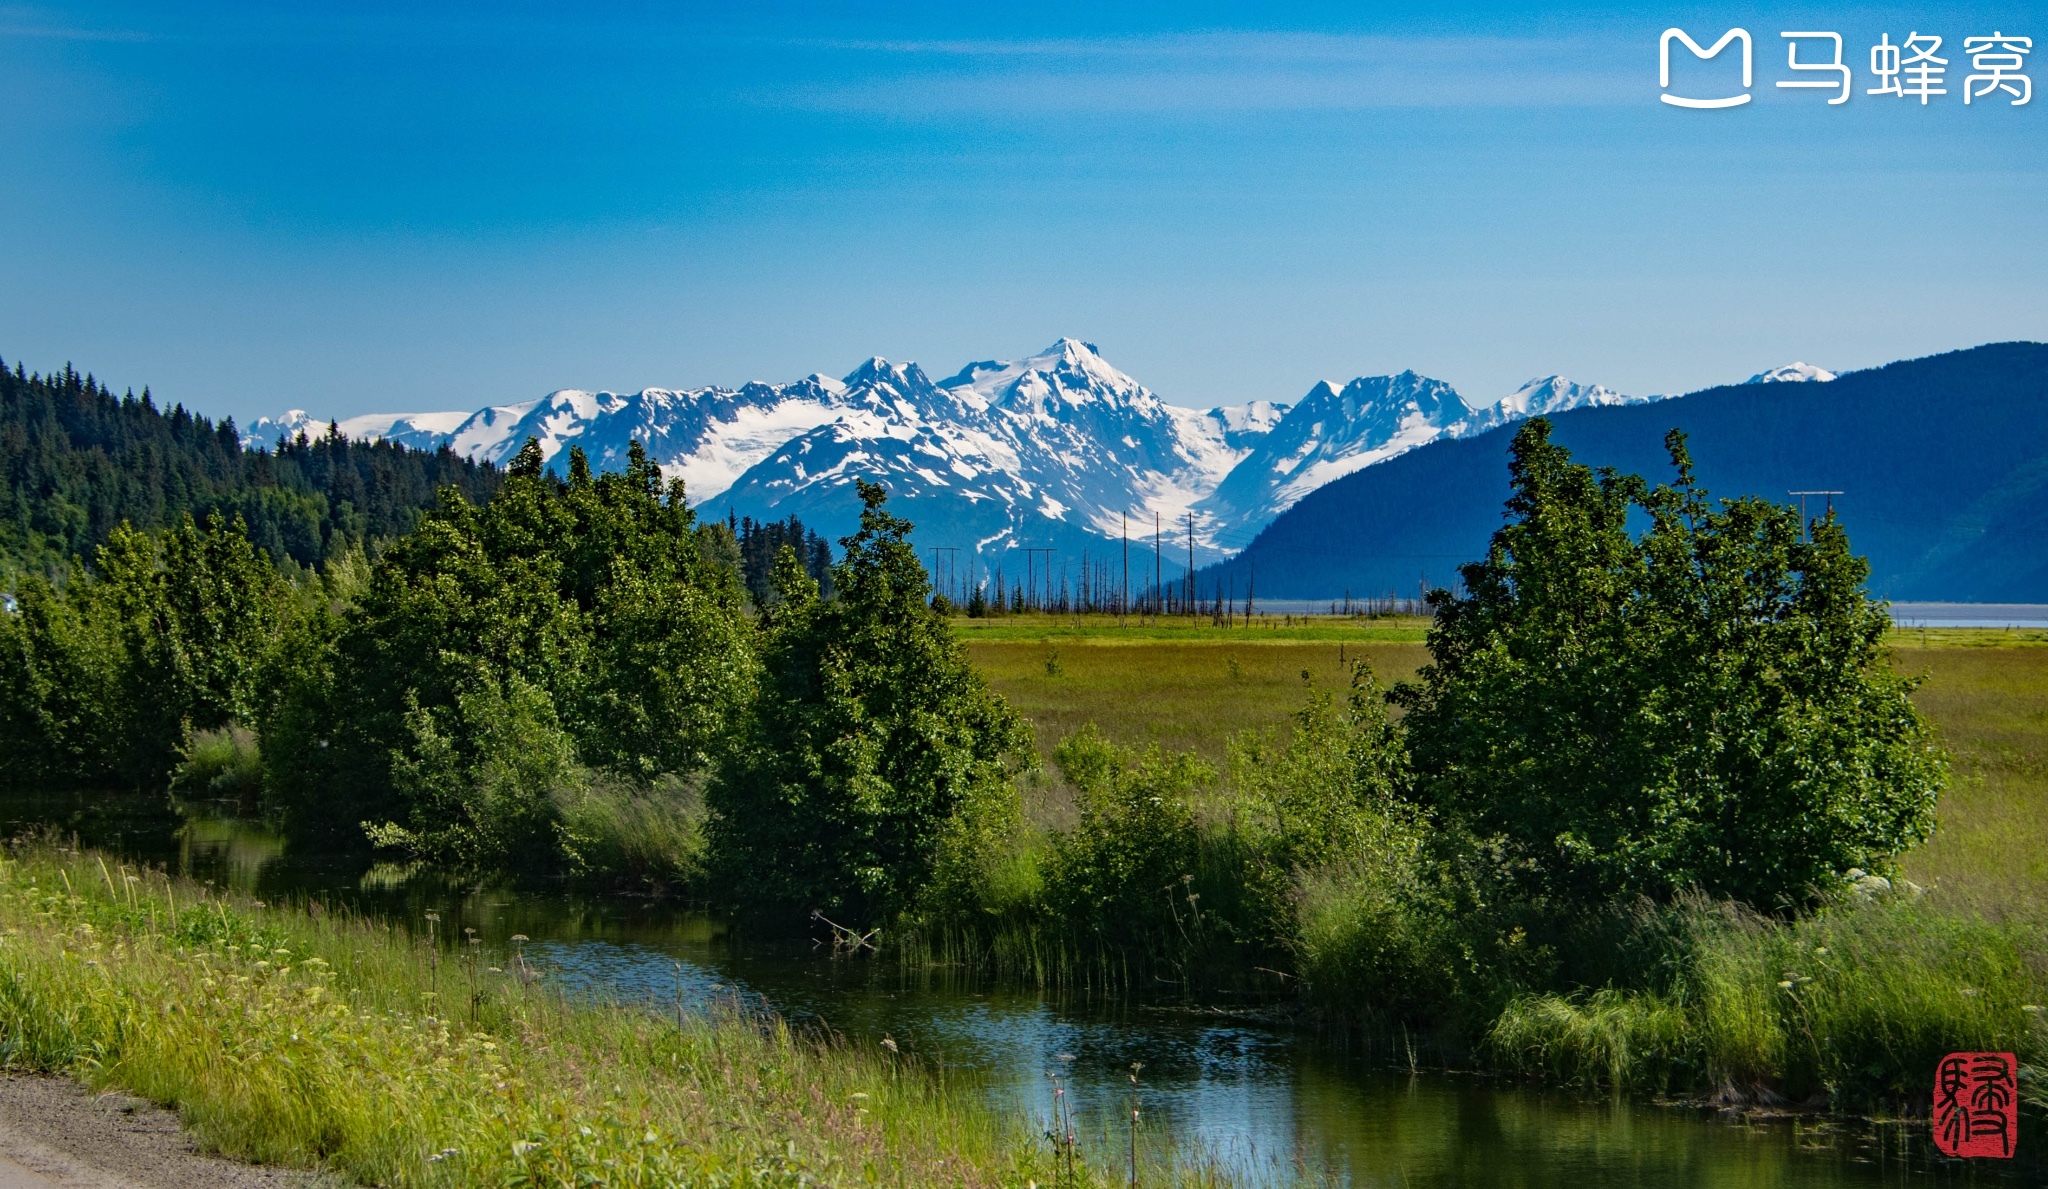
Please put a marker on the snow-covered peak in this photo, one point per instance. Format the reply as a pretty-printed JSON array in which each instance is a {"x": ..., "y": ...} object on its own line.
[
  {"x": 1059, "y": 449},
  {"x": 1793, "y": 373},
  {"x": 905, "y": 378},
  {"x": 1537, "y": 398},
  {"x": 1253, "y": 418},
  {"x": 424, "y": 431},
  {"x": 265, "y": 431},
  {"x": 1070, "y": 372}
]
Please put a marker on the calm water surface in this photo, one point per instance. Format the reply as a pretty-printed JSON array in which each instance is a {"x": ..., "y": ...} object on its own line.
[{"x": 1274, "y": 1104}]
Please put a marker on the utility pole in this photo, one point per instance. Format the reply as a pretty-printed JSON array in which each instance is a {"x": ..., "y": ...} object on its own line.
[
  {"x": 1804, "y": 535},
  {"x": 1191, "y": 562},
  {"x": 1158, "y": 569},
  {"x": 1031, "y": 582},
  {"x": 1124, "y": 600}
]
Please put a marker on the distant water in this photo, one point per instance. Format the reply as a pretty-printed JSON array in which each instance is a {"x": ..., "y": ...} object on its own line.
[{"x": 1970, "y": 615}]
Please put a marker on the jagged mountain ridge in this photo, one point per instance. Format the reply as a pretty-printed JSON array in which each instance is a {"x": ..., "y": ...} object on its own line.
[{"x": 1053, "y": 451}]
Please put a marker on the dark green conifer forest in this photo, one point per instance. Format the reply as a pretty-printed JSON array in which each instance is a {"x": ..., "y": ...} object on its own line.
[{"x": 77, "y": 462}]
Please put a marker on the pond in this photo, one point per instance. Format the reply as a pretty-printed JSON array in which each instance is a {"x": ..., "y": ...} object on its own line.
[{"x": 1272, "y": 1103}]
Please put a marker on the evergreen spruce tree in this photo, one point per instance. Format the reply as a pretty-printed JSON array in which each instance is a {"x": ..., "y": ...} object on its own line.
[{"x": 871, "y": 737}]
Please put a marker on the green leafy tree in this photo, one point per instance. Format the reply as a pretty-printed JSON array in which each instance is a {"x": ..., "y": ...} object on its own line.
[
  {"x": 105, "y": 679},
  {"x": 60, "y": 679},
  {"x": 198, "y": 613},
  {"x": 584, "y": 609},
  {"x": 1705, "y": 703},
  {"x": 870, "y": 736}
]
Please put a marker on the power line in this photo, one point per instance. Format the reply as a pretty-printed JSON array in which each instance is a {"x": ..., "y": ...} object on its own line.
[{"x": 1802, "y": 507}]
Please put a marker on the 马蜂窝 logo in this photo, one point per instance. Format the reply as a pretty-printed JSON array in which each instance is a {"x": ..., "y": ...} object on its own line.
[
  {"x": 1664, "y": 66},
  {"x": 1911, "y": 68}
]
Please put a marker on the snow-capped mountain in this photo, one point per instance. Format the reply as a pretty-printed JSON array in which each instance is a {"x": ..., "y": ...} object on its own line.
[
  {"x": 1539, "y": 397},
  {"x": 1057, "y": 451},
  {"x": 1054, "y": 451},
  {"x": 1792, "y": 373},
  {"x": 1326, "y": 435},
  {"x": 421, "y": 431}
]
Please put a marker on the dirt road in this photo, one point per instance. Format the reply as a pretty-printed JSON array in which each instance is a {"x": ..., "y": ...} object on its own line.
[{"x": 55, "y": 1133}]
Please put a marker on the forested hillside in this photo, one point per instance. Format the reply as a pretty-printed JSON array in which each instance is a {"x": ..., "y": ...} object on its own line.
[
  {"x": 1942, "y": 466},
  {"x": 76, "y": 461}
]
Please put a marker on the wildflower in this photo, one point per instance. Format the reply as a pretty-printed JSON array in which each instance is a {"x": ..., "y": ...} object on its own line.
[{"x": 1785, "y": 985}]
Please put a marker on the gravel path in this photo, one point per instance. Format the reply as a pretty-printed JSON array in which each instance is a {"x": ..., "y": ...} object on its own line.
[{"x": 54, "y": 1132}]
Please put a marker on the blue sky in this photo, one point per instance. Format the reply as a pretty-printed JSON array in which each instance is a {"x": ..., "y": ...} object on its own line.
[{"x": 412, "y": 208}]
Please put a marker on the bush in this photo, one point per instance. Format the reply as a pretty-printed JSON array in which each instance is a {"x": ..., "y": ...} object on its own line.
[
  {"x": 1125, "y": 876},
  {"x": 221, "y": 763},
  {"x": 485, "y": 779},
  {"x": 1706, "y": 704}
]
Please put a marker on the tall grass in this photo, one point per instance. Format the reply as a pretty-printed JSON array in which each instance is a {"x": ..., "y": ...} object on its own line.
[
  {"x": 304, "y": 1038},
  {"x": 220, "y": 763},
  {"x": 1848, "y": 1009},
  {"x": 649, "y": 836}
]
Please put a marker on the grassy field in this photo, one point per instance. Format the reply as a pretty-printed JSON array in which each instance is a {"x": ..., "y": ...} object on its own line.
[
  {"x": 1184, "y": 685},
  {"x": 1189, "y": 686},
  {"x": 1987, "y": 692}
]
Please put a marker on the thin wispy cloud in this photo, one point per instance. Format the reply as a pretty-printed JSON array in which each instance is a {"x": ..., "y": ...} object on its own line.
[
  {"x": 1213, "y": 72},
  {"x": 31, "y": 23}
]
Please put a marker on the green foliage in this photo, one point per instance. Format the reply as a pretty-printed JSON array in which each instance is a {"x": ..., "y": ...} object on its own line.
[
  {"x": 646, "y": 836},
  {"x": 1705, "y": 704},
  {"x": 104, "y": 679},
  {"x": 77, "y": 462},
  {"x": 760, "y": 547},
  {"x": 221, "y": 763},
  {"x": 567, "y": 623},
  {"x": 870, "y": 736},
  {"x": 482, "y": 778},
  {"x": 1125, "y": 876},
  {"x": 60, "y": 670},
  {"x": 1850, "y": 1007}
]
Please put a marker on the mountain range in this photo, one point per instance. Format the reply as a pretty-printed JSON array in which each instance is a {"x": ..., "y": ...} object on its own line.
[
  {"x": 1057, "y": 451},
  {"x": 1938, "y": 468}
]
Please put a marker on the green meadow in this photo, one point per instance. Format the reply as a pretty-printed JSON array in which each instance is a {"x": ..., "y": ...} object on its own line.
[{"x": 1189, "y": 686}]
